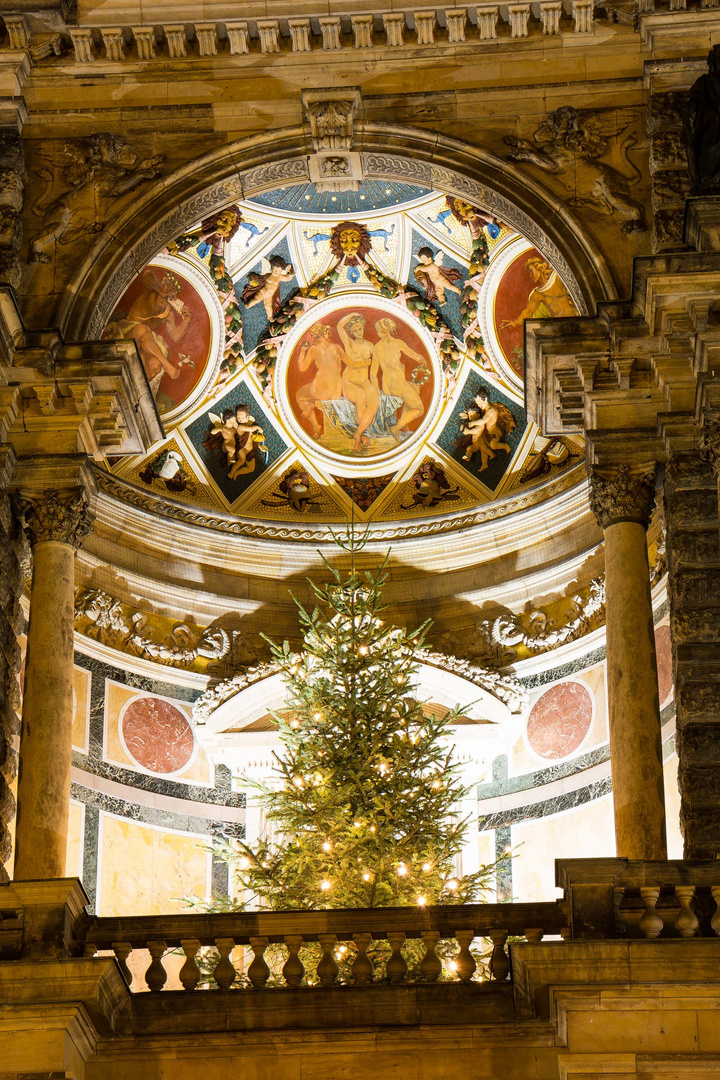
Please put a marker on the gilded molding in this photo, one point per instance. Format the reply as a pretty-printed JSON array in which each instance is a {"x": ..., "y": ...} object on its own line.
[
  {"x": 622, "y": 494},
  {"x": 63, "y": 518}
]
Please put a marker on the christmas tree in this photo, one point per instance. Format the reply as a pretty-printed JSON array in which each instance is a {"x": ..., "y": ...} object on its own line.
[{"x": 365, "y": 812}]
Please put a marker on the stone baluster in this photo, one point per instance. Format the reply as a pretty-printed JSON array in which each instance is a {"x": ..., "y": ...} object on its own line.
[
  {"x": 327, "y": 969},
  {"x": 145, "y": 41},
  {"x": 499, "y": 960},
  {"x": 622, "y": 500},
  {"x": 519, "y": 17},
  {"x": 715, "y": 921},
  {"x": 239, "y": 37},
  {"x": 465, "y": 960},
  {"x": 651, "y": 923},
  {"x": 224, "y": 973},
  {"x": 456, "y": 20},
  {"x": 533, "y": 934},
  {"x": 425, "y": 27},
  {"x": 269, "y": 31},
  {"x": 394, "y": 24},
  {"x": 258, "y": 972},
  {"x": 122, "y": 950},
  {"x": 487, "y": 15},
  {"x": 550, "y": 15},
  {"x": 190, "y": 972},
  {"x": 687, "y": 922},
  {"x": 363, "y": 27},
  {"x": 293, "y": 969},
  {"x": 362, "y": 967},
  {"x": 56, "y": 524},
  {"x": 114, "y": 43},
  {"x": 330, "y": 29},
  {"x": 396, "y": 966},
  {"x": 431, "y": 964},
  {"x": 299, "y": 34},
  {"x": 156, "y": 975},
  {"x": 176, "y": 40}
]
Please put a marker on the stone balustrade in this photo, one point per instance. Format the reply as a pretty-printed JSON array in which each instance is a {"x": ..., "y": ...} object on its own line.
[{"x": 344, "y": 937}]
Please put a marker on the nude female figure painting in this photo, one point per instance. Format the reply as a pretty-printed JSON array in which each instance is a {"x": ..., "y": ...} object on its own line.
[{"x": 359, "y": 382}]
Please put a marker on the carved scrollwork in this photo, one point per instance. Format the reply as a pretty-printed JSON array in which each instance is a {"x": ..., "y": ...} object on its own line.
[
  {"x": 100, "y": 616},
  {"x": 63, "y": 517},
  {"x": 622, "y": 494}
]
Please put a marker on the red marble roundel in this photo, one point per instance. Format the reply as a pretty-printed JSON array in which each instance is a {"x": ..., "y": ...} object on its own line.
[
  {"x": 663, "y": 650},
  {"x": 560, "y": 720},
  {"x": 157, "y": 734}
]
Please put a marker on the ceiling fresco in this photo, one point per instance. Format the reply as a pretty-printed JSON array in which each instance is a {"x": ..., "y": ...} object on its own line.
[{"x": 317, "y": 353}]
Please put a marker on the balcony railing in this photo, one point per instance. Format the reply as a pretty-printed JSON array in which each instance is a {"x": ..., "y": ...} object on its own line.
[{"x": 343, "y": 935}]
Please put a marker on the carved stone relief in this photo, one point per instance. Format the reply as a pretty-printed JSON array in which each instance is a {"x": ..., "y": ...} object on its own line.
[
  {"x": 12, "y": 187},
  {"x": 670, "y": 181},
  {"x": 571, "y": 142},
  {"x": 101, "y": 164}
]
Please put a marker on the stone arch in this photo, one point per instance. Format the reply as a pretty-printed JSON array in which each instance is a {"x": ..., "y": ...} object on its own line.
[{"x": 239, "y": 170}]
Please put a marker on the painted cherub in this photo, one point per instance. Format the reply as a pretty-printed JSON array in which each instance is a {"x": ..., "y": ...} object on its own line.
[
  {"x": 484, "y": 428},
  {"x": 435, "y": 278},
  {"x": 264, "y": 288},
  {"x": 238, "y": 437}
]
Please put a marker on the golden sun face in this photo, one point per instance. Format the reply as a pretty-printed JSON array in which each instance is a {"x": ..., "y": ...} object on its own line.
[{"x": 225, "y": 222}]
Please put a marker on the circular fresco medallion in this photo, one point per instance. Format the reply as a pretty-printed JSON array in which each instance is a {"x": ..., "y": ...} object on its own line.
[
  {"x": 358, "y": 380},
  {"x": 560, "y": 720},
  {"x": 157, "y": 735},
  {"x": 174, "y": 319}
]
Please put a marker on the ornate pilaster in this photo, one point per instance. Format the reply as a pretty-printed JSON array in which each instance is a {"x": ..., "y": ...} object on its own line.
[
  {"x": 64, "y": 517},
  {"x": 622, "y": 494}
]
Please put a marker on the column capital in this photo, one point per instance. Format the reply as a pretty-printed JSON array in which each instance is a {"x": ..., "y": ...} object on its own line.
[
  {"x": 62, "y": 516},
  {"x": 710, "y": 443},
  {"x": 622, "y": 493}
]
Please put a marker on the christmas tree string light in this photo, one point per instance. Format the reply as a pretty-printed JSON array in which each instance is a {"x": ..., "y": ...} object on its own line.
[{"x": 365, "y": 811}]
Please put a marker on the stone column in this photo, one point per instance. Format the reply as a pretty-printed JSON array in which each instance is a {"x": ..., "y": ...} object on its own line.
[
  {"x": 56, "y": 524},
  {"x": 622, "y": 500}
]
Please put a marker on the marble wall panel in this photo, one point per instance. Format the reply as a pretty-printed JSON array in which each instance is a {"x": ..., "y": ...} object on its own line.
[
  {"x": 143, "y": 869},
  {"x": 81, "y": 713}
]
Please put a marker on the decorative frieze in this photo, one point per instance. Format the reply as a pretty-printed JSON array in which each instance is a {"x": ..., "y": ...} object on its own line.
[
  {"x": 622, "y": 494},
  {"x": 330, "y": 114},
  {"x": 63, "y": 517},
  {"x": 710, "y": 443}
]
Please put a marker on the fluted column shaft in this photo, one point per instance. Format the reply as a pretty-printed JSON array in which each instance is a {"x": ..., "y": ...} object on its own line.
[
  {"x": 56, "y": 526},
  {"x": 622, "y": 499}
]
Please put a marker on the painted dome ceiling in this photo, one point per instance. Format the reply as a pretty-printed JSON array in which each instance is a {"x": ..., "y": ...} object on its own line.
[{"x": 319, "y": 353}]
